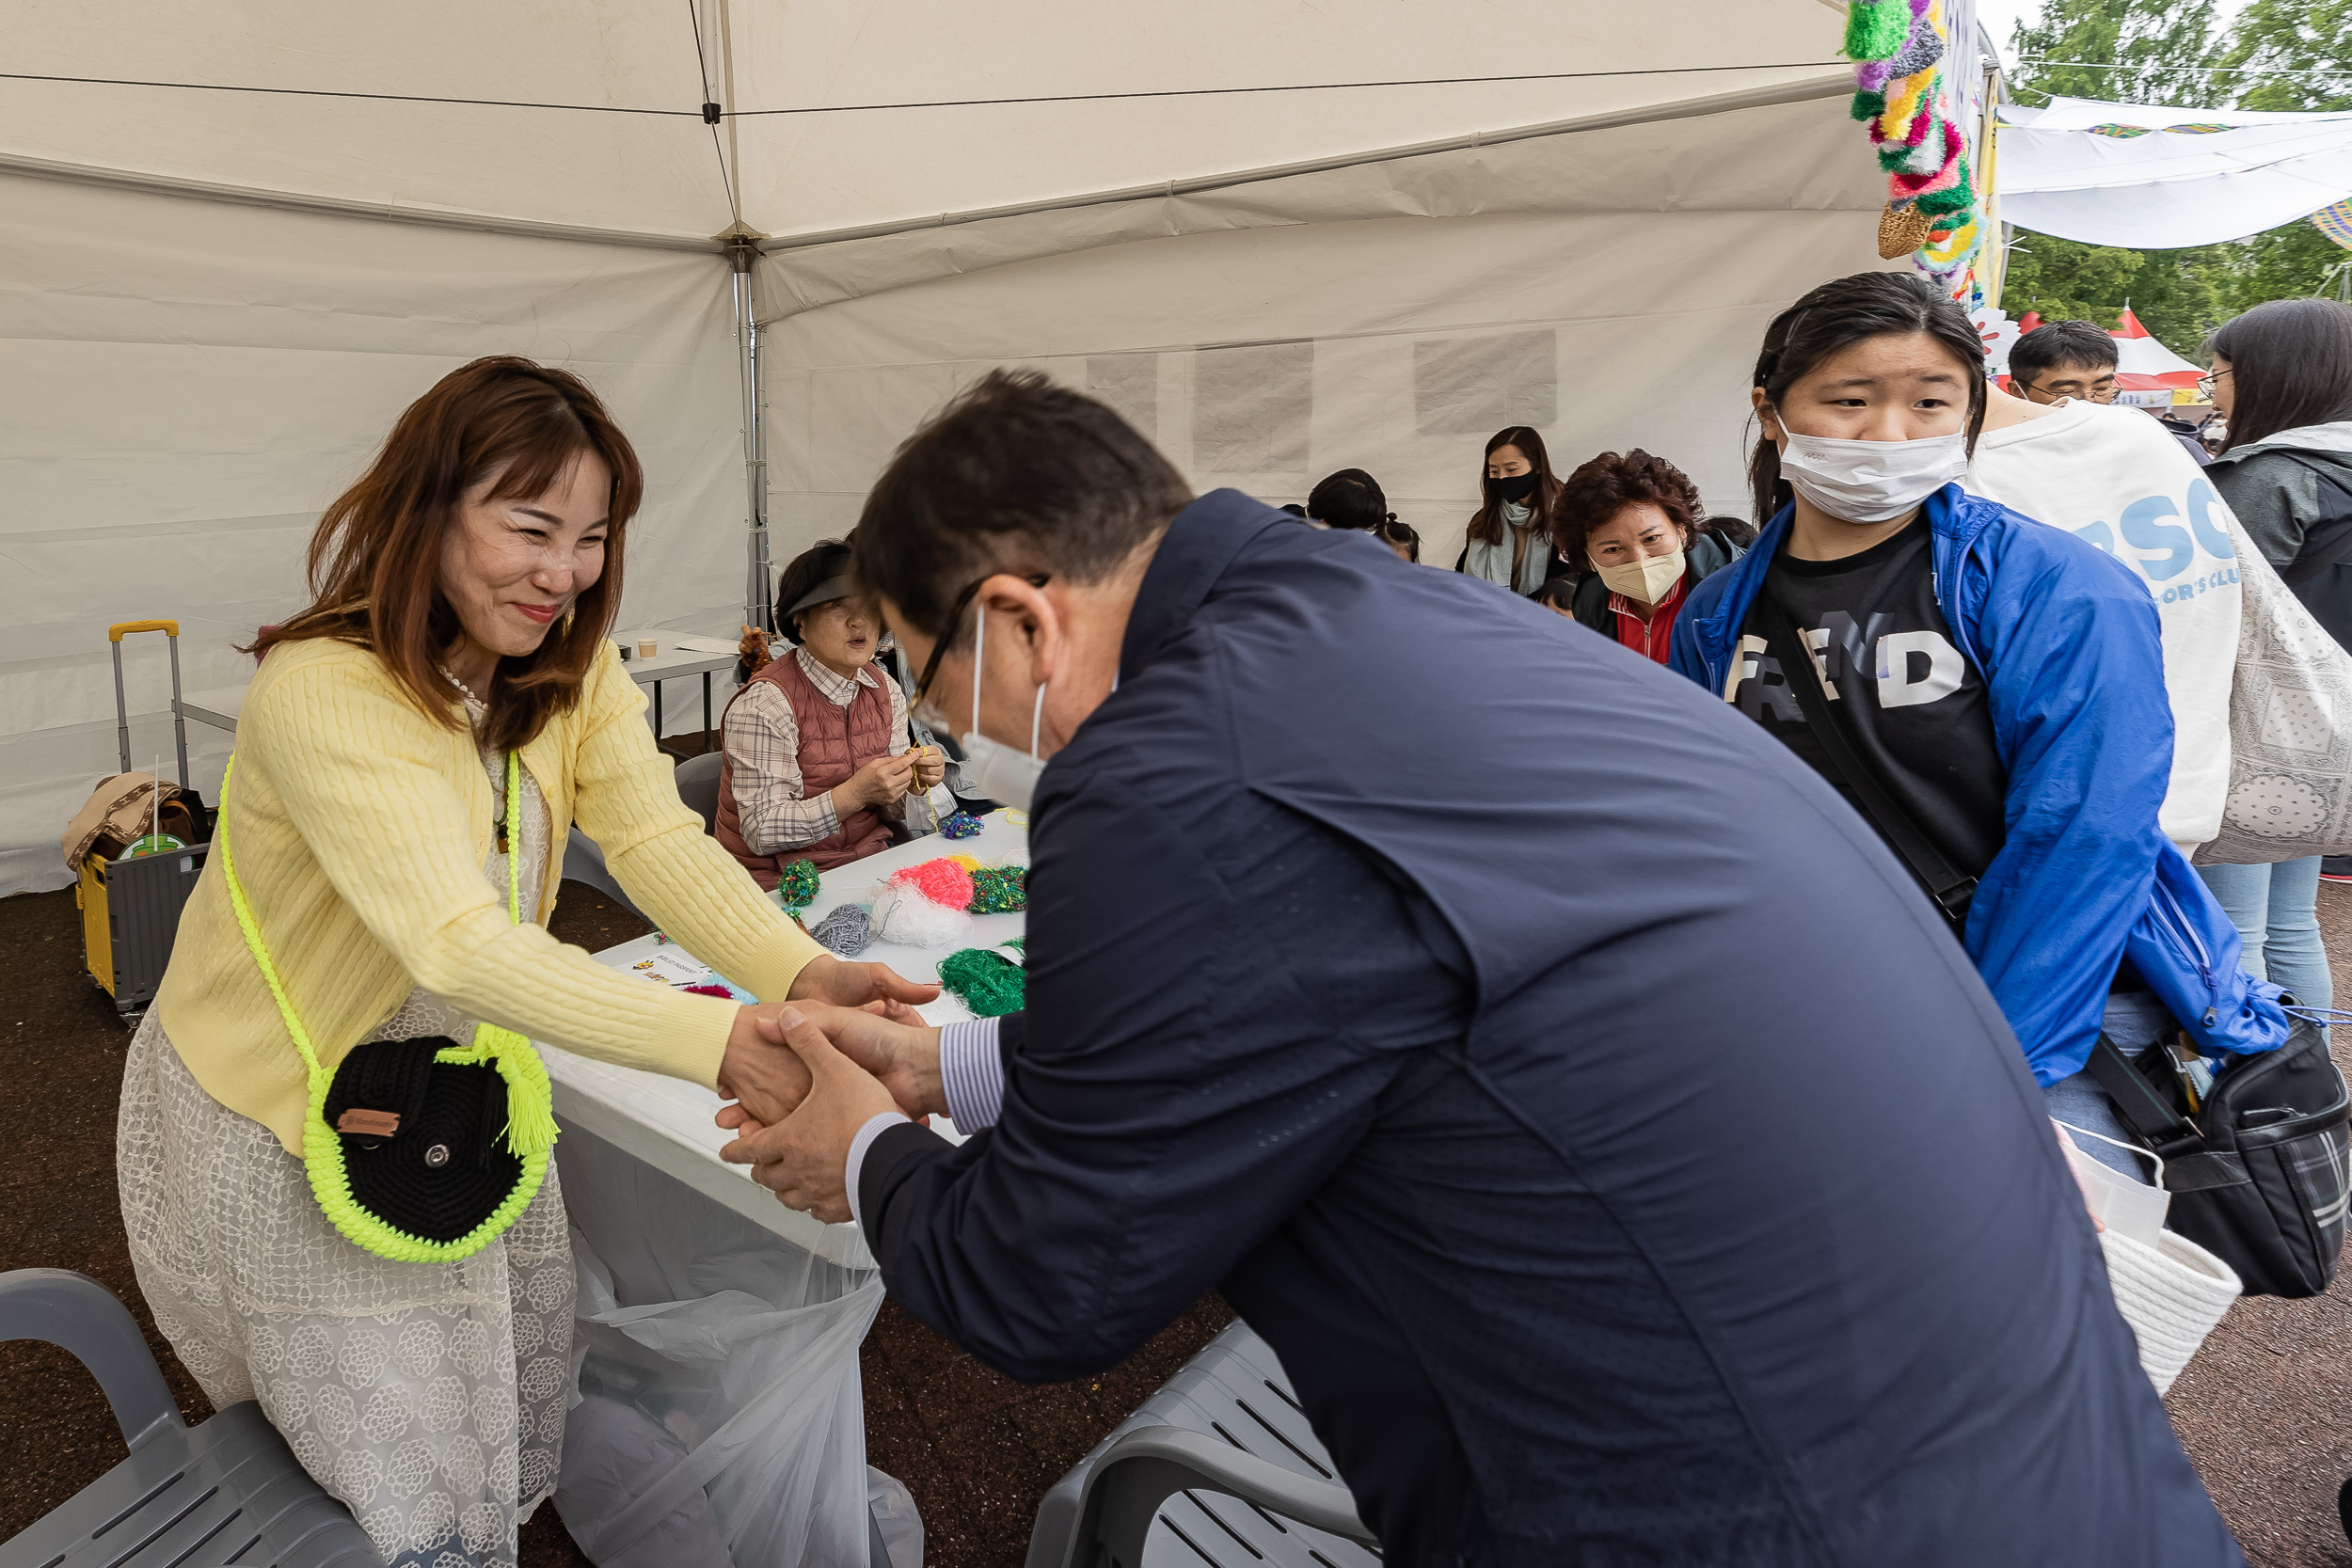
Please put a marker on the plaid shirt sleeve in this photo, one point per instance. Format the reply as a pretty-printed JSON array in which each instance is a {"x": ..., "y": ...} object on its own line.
[{"x": 763, "y": 744}]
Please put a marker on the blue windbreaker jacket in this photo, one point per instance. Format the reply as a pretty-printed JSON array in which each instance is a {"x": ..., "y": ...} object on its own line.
[{"x": 2067, "y": 643}]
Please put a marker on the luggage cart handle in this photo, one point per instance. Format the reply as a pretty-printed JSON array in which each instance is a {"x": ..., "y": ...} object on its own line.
[{"x": 114, "y": 634}]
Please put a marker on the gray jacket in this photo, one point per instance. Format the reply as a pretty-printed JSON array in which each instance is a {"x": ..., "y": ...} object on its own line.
[{"x": 2273, "y": 484}]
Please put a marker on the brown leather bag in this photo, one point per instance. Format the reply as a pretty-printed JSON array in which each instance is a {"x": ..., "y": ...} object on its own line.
[{"x": 121, "y": 812}]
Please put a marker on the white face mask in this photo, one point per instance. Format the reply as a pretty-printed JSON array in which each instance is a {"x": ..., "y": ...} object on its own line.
[
  {"x": 995, "y": 769},
  {"x": 1871, "y": 481},
  {"x": 1648, "y": 580}
]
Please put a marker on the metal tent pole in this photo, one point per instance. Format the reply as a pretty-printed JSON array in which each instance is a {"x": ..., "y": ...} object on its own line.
[{"x": 744, "y": 255}]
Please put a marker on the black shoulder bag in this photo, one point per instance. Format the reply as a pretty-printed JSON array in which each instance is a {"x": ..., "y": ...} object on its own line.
[{"x": 2260, "y": 1167}]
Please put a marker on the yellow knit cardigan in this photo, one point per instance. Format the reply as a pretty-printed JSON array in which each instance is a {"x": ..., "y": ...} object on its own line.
[{"x": 359, "y": 828}]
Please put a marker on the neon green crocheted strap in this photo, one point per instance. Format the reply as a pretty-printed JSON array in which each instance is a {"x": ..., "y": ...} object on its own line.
[
  {"x": 514, "y": 838},
  {"x": 253, "y": 930}
]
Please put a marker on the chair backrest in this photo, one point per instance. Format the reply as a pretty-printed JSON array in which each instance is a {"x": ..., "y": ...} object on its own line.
[
  {"x": 698, "y": 787},
  {"x": 1217, "y": 1494},
  {"x": 76, "y": 1312}
]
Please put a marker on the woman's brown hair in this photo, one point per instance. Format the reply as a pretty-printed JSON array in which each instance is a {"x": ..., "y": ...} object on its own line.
[
  {"x": 1607, "y": 484},
  {"x": 375, "y": 558},
  {"x": 1485, "y": 524}
]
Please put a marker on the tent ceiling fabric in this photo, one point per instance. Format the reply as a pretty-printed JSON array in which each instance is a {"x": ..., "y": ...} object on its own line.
[
  {"x": 2167, "y": 187},
  {"x": 206, "y": 327},
  {"x": 809, "y": 172},
  {"x": 1608, "y": 287}
]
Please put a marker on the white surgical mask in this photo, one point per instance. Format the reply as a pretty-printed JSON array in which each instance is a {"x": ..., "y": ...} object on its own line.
[
  {"x": 1871, "y": 481},
  {"x": 1648, "y": 580},
  {"x": 995, "y": 769}
]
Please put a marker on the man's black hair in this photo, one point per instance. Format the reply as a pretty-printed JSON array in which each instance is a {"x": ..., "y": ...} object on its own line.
[
  {"x": 2058, "y": 343},
  {"x": 1350, "y": 498},
  {"x": 1016, "y": 475}
]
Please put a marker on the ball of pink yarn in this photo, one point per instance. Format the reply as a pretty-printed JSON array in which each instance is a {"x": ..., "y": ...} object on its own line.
[{"x": 942, "y": 881}]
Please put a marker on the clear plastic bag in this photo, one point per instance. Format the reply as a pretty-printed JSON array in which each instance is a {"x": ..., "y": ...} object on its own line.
[{"x": 719, "y": 1421}]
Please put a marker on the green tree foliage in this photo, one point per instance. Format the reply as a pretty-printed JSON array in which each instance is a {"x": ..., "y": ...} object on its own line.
[
  {"x": 2155, "y": 52},
  {"x": 2130, "y": 51},
  {"x": 2311, "y": 39}
]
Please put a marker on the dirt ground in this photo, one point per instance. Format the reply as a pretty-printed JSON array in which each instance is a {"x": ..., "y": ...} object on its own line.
[{"x": 2266, "y": 1410}]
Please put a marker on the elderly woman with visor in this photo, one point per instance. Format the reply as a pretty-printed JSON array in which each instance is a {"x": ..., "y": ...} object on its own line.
[{"x": 817, "y": 765}]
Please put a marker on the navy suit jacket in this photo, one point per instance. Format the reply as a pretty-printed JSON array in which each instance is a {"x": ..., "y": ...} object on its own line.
[{"x": 1623, "y": 1160}]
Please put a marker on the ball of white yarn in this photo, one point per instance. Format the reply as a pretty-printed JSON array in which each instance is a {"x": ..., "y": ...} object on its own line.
[{"x": 905, "y": 916}]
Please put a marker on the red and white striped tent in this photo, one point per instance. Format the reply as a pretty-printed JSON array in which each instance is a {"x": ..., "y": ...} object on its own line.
[{"x": 2145, "y": 373}]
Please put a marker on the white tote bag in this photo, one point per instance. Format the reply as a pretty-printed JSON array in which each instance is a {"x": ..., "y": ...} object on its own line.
[
  {"x": 2172, "y": 1291},
  {"x": 2290, "y": 730},
  {"x": 2174, "y": 1294}
]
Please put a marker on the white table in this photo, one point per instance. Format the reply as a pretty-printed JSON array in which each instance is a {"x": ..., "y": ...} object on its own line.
[
  {"x": 666, "y": 1122},
  {"x": 671, "y": 662},
  {"x": 220, "y": 706}
]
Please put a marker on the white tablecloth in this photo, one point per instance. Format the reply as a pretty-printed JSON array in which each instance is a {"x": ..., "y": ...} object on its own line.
[{"x": 666, "y": 1121}]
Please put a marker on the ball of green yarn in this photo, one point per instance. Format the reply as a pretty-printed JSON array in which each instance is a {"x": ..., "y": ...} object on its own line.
[
  {"x": 1000, "y": 889},
  {"x": 796, "y": 888},
  {"x": 988, "y": 982}
]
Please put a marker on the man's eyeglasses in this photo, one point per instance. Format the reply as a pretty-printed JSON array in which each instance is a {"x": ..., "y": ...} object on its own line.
[{"x": 948, "y": 634}]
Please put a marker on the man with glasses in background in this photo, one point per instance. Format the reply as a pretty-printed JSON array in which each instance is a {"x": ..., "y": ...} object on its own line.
[{"x": 2076, "y": 359}]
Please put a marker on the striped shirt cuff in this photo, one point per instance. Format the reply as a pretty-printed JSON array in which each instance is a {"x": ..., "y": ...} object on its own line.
[
  {"x": 876, "y": 1125},
  {"x": 972, "y": 1073}
]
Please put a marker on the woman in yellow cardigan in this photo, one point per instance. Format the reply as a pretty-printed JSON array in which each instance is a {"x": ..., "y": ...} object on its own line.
[{"x": 464, "y": 589}]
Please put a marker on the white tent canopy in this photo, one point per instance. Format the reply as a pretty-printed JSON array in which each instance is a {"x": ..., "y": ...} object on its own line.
[
  {"x": 215, "y": 301},
  {"x": 2178, "y": 185}
]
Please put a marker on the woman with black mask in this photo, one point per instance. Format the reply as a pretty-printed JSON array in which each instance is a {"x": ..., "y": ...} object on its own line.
[{"x": 1510, "y": 534}]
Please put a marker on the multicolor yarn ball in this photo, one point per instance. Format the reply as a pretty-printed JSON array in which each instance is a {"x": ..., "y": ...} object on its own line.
[
  {"x": 960, "y": 824},
  {"x": 989, "y": 983},
  {"x": 845, "y": 931},
  {"x": 1000, "y": 889},
  {"x": 796, "y": 888},
  {"x": 942, "y": 881}
]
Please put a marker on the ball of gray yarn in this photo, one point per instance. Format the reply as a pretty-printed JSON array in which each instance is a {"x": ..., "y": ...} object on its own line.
[{"x": 845, "y": 931}]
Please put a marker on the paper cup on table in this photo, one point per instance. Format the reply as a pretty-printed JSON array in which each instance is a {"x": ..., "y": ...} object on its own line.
[{"x": 647, "y": 647}]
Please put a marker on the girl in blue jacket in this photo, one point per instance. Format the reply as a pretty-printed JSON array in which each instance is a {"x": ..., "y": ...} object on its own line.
[{"x": 2000, "y": 682}]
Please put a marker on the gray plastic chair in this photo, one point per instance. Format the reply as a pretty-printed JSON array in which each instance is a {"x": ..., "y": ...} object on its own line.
[
  {"x": 227, "y": 1492},
  {"x": 698, "y": 786},
  {"x": 583, "y": 861},
  {"x": 1219, "y": 1465}
]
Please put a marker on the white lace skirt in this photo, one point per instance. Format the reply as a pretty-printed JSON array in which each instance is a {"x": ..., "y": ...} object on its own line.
[{"x": 429, "y": 1396}]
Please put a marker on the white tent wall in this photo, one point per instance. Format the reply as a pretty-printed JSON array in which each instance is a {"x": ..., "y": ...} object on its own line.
[
  {"x": 185, "y": 384},
  {"x": 1607, "y": 286}
]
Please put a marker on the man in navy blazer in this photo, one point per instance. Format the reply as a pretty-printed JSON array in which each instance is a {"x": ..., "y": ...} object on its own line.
[{"x": 1622, "y": 1159}]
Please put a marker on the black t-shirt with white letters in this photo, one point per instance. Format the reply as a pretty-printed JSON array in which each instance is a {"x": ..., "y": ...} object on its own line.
[{"x": 1911, "y": 704}]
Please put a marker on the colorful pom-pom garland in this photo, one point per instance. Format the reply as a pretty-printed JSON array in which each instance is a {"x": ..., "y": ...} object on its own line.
[
  {"x": 1899, "y": 48},
  {"x": 985, "y": 980}
]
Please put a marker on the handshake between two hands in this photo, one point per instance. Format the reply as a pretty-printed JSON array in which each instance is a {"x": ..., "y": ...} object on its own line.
[{"x": 803, "y": 1075}]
